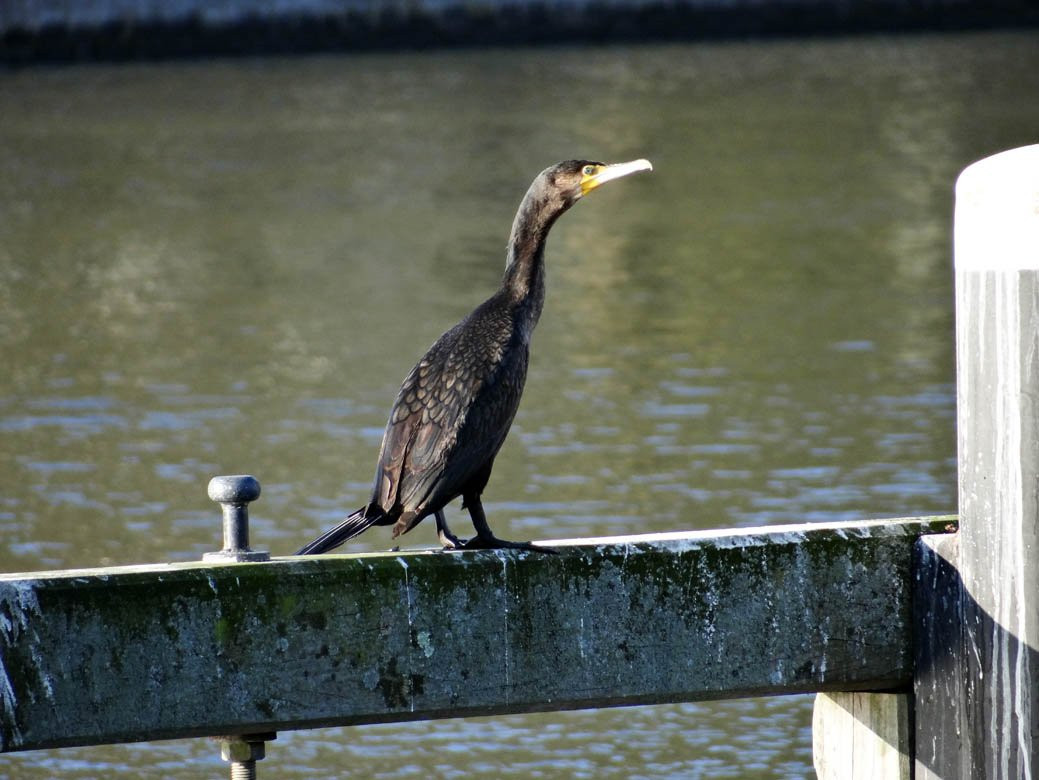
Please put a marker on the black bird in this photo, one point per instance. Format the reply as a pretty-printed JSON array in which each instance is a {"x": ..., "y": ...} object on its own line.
[{"x": 455, "y": 408}]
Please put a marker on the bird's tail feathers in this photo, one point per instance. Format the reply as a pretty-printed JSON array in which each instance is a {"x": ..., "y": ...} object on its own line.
[{"x": 357, "y": 523}]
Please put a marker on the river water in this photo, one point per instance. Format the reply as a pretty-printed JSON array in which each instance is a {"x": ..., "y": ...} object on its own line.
[{"x": 228, "y": 266}]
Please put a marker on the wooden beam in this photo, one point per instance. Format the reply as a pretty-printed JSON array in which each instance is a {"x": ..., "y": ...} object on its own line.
[{"x": 151, "y": 652}]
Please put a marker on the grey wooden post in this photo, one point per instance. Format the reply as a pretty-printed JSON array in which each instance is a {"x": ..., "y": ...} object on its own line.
[
  {"x": 861, "y": 736},
  {"x": 977, "y": 677}
]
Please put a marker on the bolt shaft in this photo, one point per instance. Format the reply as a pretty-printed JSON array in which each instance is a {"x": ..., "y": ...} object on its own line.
[
  {"x": 236, "y": 527},
  {"x": 243, "y": 770}
]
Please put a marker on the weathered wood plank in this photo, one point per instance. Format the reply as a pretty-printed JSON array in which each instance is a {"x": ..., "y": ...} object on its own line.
[
  {"x": 134, "y": 653},
  {"x": 861, "y": 736}
]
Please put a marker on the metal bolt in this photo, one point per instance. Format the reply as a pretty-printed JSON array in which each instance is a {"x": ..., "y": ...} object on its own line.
[
  {"x": 243, "y": 752},
  {"x": 233, "y": 494}
]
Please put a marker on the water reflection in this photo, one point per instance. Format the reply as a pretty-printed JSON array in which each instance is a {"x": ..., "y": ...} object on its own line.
[{"x": 227, "y": 267}]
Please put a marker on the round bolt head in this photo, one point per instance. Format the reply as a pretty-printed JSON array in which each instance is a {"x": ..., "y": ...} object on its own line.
[{"x": 237, "y": 489}]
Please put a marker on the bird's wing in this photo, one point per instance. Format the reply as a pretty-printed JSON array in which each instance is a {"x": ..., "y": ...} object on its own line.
[
  {"x": 450, "y": 417},
  {"x": 483, "y": 431}
]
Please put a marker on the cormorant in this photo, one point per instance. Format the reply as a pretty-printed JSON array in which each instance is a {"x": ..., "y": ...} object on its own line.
[{"x": 454, "y": 409}]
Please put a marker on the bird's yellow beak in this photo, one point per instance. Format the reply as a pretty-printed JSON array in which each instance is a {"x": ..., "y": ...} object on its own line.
[{"x": 597, "y": 175}]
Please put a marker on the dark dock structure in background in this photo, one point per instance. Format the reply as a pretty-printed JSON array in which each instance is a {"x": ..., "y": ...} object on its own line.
[{"x": 54, "y": 31}]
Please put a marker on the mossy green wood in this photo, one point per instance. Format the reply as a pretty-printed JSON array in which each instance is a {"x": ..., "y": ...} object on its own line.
[{"x": 150, "y": 652}]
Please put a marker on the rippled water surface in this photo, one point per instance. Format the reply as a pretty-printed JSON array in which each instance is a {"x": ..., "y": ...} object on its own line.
[{"x": 226, "y": 267}]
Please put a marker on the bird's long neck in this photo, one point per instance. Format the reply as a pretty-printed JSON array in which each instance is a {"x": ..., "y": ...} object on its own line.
[{"x": 524, "y": 280}]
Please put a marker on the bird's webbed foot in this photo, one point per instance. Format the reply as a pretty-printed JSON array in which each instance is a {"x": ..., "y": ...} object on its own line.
[
  {"x": 451, "y": 543},
  {"x": 485, "y": 538},
  {"x": 447, "y": 539},
  {"x": 491, "y": 542}
]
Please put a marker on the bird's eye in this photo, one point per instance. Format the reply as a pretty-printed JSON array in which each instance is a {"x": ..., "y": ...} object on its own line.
[{"x": 588, "y": 170}]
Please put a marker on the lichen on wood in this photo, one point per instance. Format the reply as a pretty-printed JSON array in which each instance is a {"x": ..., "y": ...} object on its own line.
[{"x": 152, "y": 652}]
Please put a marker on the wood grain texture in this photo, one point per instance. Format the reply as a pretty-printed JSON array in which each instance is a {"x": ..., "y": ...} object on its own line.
[{"x": 126, "y": 654}]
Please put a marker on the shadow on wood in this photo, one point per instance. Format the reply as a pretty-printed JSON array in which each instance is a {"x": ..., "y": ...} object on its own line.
[{"x": 952, "y": 667}]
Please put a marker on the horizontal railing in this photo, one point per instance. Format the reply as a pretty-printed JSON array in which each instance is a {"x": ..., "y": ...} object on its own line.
[{"x": 162, "y": 651}]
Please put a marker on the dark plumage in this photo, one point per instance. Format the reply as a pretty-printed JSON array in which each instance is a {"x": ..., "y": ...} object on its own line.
[{"x": 455, "y": 408}]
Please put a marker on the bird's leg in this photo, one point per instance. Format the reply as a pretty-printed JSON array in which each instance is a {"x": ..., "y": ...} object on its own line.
[
  {"x": 485, "y": 538},
  {"x": 447, "y": 539}
]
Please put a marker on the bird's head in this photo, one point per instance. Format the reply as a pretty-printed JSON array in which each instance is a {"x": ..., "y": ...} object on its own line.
[
  {"x": 571, "y": 180},
  {"x": 552, "y": 192}
]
